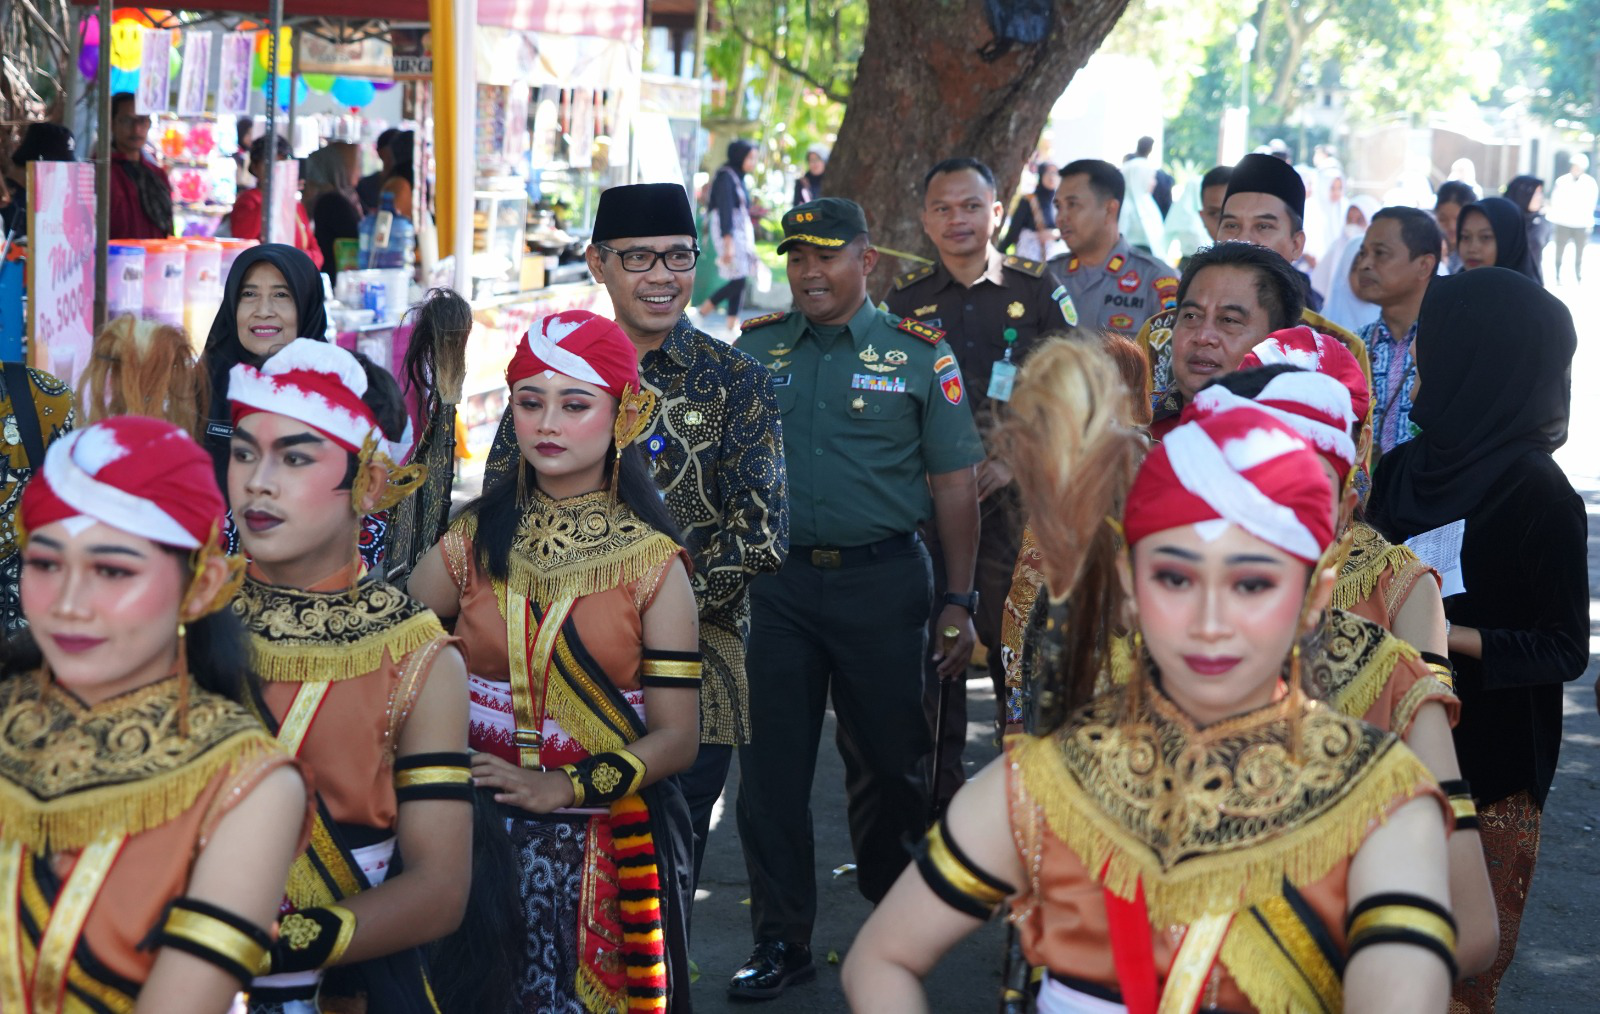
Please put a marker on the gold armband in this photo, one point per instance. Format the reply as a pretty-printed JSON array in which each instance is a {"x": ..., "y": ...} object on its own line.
[
  {"x": 670, "y": 669},
  {"x": 433, "y": 776},
  {"x": 1396, "y": 918},
  {"x": 1461, "y": 803},
  {"x": 216, "y": 935},
  {"x": 605, "y": 778},
  {"x": 958, "y": 881},
  {"x": 1441, "y": 668}
]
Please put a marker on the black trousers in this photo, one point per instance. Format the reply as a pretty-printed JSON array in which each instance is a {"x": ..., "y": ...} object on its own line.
[
  {"x": 999, "y": 540},
  {"x": 702, "y": 785},
  {"x": 858, "y": 634}
]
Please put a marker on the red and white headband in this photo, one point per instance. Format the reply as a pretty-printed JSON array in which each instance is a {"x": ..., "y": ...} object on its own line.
[
  {"x": 1314, "y": 405},
  {"x": 1243, "y": 467},
  {"x": 313, "y": 381},
  {"x": 143, "y": 476},
  {"x": 581, "y": 345}
]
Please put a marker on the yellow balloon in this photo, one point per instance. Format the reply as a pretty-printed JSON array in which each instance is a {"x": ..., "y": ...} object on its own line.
[
  {"x": 127, "y": 41},
  {"x": 285, "y": 50}
]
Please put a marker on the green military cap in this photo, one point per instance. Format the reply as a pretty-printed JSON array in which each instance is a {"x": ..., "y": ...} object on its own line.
[{"x": 829, "y": 222}]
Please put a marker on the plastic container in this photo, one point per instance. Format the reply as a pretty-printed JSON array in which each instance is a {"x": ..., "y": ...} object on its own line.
[
  {"x": 164, "y": 264},
  {"x": 124, "y": 280},
  {"x": 387, "y": 240},
  {"x": 202, "y": 289},
  {"x": 232, "y": 247}
]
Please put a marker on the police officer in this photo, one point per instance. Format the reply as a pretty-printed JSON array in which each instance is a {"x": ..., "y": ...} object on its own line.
[
  {"x": 993, "y": 309},
  {"x": 878, "y": 437},
  {"x": 1113, "y": 285}
]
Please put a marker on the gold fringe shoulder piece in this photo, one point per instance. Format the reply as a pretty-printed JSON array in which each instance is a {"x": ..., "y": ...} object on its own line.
[
  {"x": 1371, "y": 556},
  {"x": 582, "y": 546},
  {"x": 69, "y": 773},
  {"x": 1356, "y": 661},
  {"x": 1280, "y": 971},
  {"x": 319, "y": 637},
  {"x": 1212, "y": 822}
]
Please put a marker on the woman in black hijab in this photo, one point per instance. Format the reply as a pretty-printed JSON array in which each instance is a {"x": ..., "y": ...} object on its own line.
[
  {"x": 1033, "y": 224},
  {"x": 1527, "y": 193},
  {"x": 1494, "y": 354},
  {"x": 733, "y": 235},
  {"x": 273, "y": 296},
  {"x": 1492, "y": 233}
]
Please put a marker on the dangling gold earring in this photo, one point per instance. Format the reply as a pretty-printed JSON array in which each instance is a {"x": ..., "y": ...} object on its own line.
[
  {"x": 181, "y": 665},
  {"x": 522, "y": 485}
]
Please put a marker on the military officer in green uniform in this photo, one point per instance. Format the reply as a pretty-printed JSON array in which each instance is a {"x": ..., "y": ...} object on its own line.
[
  {"x": 993, "y": 310},
  {"x": 1113, "y": 285},
  {"x": 878, "y": 437}
]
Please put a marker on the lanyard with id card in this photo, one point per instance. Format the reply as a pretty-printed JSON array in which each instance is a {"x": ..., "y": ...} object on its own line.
[{"x": 1003, "y": 376}]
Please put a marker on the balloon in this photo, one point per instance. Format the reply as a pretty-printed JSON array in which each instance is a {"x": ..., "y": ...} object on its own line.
[
  {"x": 383, "y": 86},
  {"x": 127, "y": 40},
  {"x": 353, "y": 92},
  {"x": 283, "y": 90},
  {"x": 319, "y": 83},
  {"x": 285, "y": 50},
  {"x": 175, "y": 61},
  {"x": 89, "y": 51},
  {"x": 124, "y": 81},
  {"x": 258, "y": 75}
]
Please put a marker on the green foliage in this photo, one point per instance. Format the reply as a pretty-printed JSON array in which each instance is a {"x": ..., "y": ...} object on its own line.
[
  {"x": 1566, "y": 47},
  {"x": 1390, "y": 57},
  {"x": 785, "y": 70}
]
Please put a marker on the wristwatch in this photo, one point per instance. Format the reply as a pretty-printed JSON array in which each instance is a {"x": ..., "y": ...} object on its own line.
[{"x": 969, "y": 601}]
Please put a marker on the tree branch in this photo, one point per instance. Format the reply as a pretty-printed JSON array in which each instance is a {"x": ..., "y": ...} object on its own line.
[{"x": 782, "y": 62}]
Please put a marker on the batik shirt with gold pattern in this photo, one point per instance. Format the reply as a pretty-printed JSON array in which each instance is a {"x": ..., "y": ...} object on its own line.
[
  {"x": 716, "y": 450},
  {"x": 103, "y": 811},
  {"x": 52, "y": 399},
  {"x": 1242, "y": 831}
]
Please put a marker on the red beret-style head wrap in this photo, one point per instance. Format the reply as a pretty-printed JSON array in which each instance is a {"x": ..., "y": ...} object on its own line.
[
  {"x": 1244, "y": 467},
  {"x": 581, "y": 345},
  {"x": 1312, "y": 350},
  {"x": 1314, "y": 405},
  {"x": 142, "y": 476}
]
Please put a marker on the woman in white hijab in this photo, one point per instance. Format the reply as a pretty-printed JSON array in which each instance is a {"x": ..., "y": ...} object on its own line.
[{"x": 1332, "y": 275}]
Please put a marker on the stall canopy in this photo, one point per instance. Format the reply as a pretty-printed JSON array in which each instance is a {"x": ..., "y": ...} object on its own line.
[{"x": 611, "y": 19}]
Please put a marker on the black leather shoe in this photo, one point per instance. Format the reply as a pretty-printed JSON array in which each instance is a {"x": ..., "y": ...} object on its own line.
[{"x": 772, "y": 968}]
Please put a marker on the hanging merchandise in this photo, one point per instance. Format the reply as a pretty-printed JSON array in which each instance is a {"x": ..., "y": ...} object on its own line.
[
  {"x": 233, "y": 88},
  {"x": 192, "y": 83},
  {"x": 155, "y": 73}
]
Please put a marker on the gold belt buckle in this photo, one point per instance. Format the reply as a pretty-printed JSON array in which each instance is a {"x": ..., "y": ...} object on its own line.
[{"x": 831, "y": 559}]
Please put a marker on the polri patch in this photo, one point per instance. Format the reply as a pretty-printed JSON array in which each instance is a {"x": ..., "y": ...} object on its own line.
[
  {"x": 1121, "y": 321},
  {"x": 1129, "y": 282}
]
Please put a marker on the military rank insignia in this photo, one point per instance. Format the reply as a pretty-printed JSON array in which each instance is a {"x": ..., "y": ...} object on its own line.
[
  {"x": 762, "y": 321},
  {"x": 1115, "y": 264},
  {"x": 931, "y": 335}
]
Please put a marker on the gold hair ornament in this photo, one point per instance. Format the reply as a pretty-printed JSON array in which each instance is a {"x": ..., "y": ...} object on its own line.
[{"x": 641, "y": 404}]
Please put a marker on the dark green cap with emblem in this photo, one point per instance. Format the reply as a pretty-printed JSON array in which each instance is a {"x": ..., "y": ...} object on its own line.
[{"x": 828, "y": 222}]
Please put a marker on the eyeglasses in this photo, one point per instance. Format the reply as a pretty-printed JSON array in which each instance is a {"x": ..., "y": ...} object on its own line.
[
  {"x": 133, "y": 121},
  {"x": 639, "y": 260}
]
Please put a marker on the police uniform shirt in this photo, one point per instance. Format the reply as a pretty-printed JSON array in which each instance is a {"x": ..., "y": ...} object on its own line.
[
  {"x": 869, "y": 410},
  {"x": 1013, "y": 293},
  {"x": 1121, "y": 294}
]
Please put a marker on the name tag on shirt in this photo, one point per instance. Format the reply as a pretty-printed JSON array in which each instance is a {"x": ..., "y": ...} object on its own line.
[
  {"x": 1441, "y": 550},
  {"x": 1002, "y": 377},
  {"x": 782, "y": 379}
]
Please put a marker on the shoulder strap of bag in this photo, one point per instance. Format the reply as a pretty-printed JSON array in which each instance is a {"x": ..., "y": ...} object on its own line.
[{"x": 27, "y": 413}]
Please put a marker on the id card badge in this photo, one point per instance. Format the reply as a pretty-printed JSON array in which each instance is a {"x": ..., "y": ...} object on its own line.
[{"x": 1001, "y": 379}]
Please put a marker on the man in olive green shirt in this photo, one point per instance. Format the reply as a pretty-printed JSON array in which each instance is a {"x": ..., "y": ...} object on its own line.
[{"x": 878, "y": 437}]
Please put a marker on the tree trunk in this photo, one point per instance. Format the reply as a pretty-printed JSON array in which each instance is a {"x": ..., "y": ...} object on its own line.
[{"x": 922, "y": 93}]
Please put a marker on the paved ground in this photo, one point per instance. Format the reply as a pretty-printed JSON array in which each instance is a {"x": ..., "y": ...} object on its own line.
[{"x": 1557, "y": 960}]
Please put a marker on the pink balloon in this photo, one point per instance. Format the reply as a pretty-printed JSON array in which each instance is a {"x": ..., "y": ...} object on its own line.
[{"x": 89, "y": 51}]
